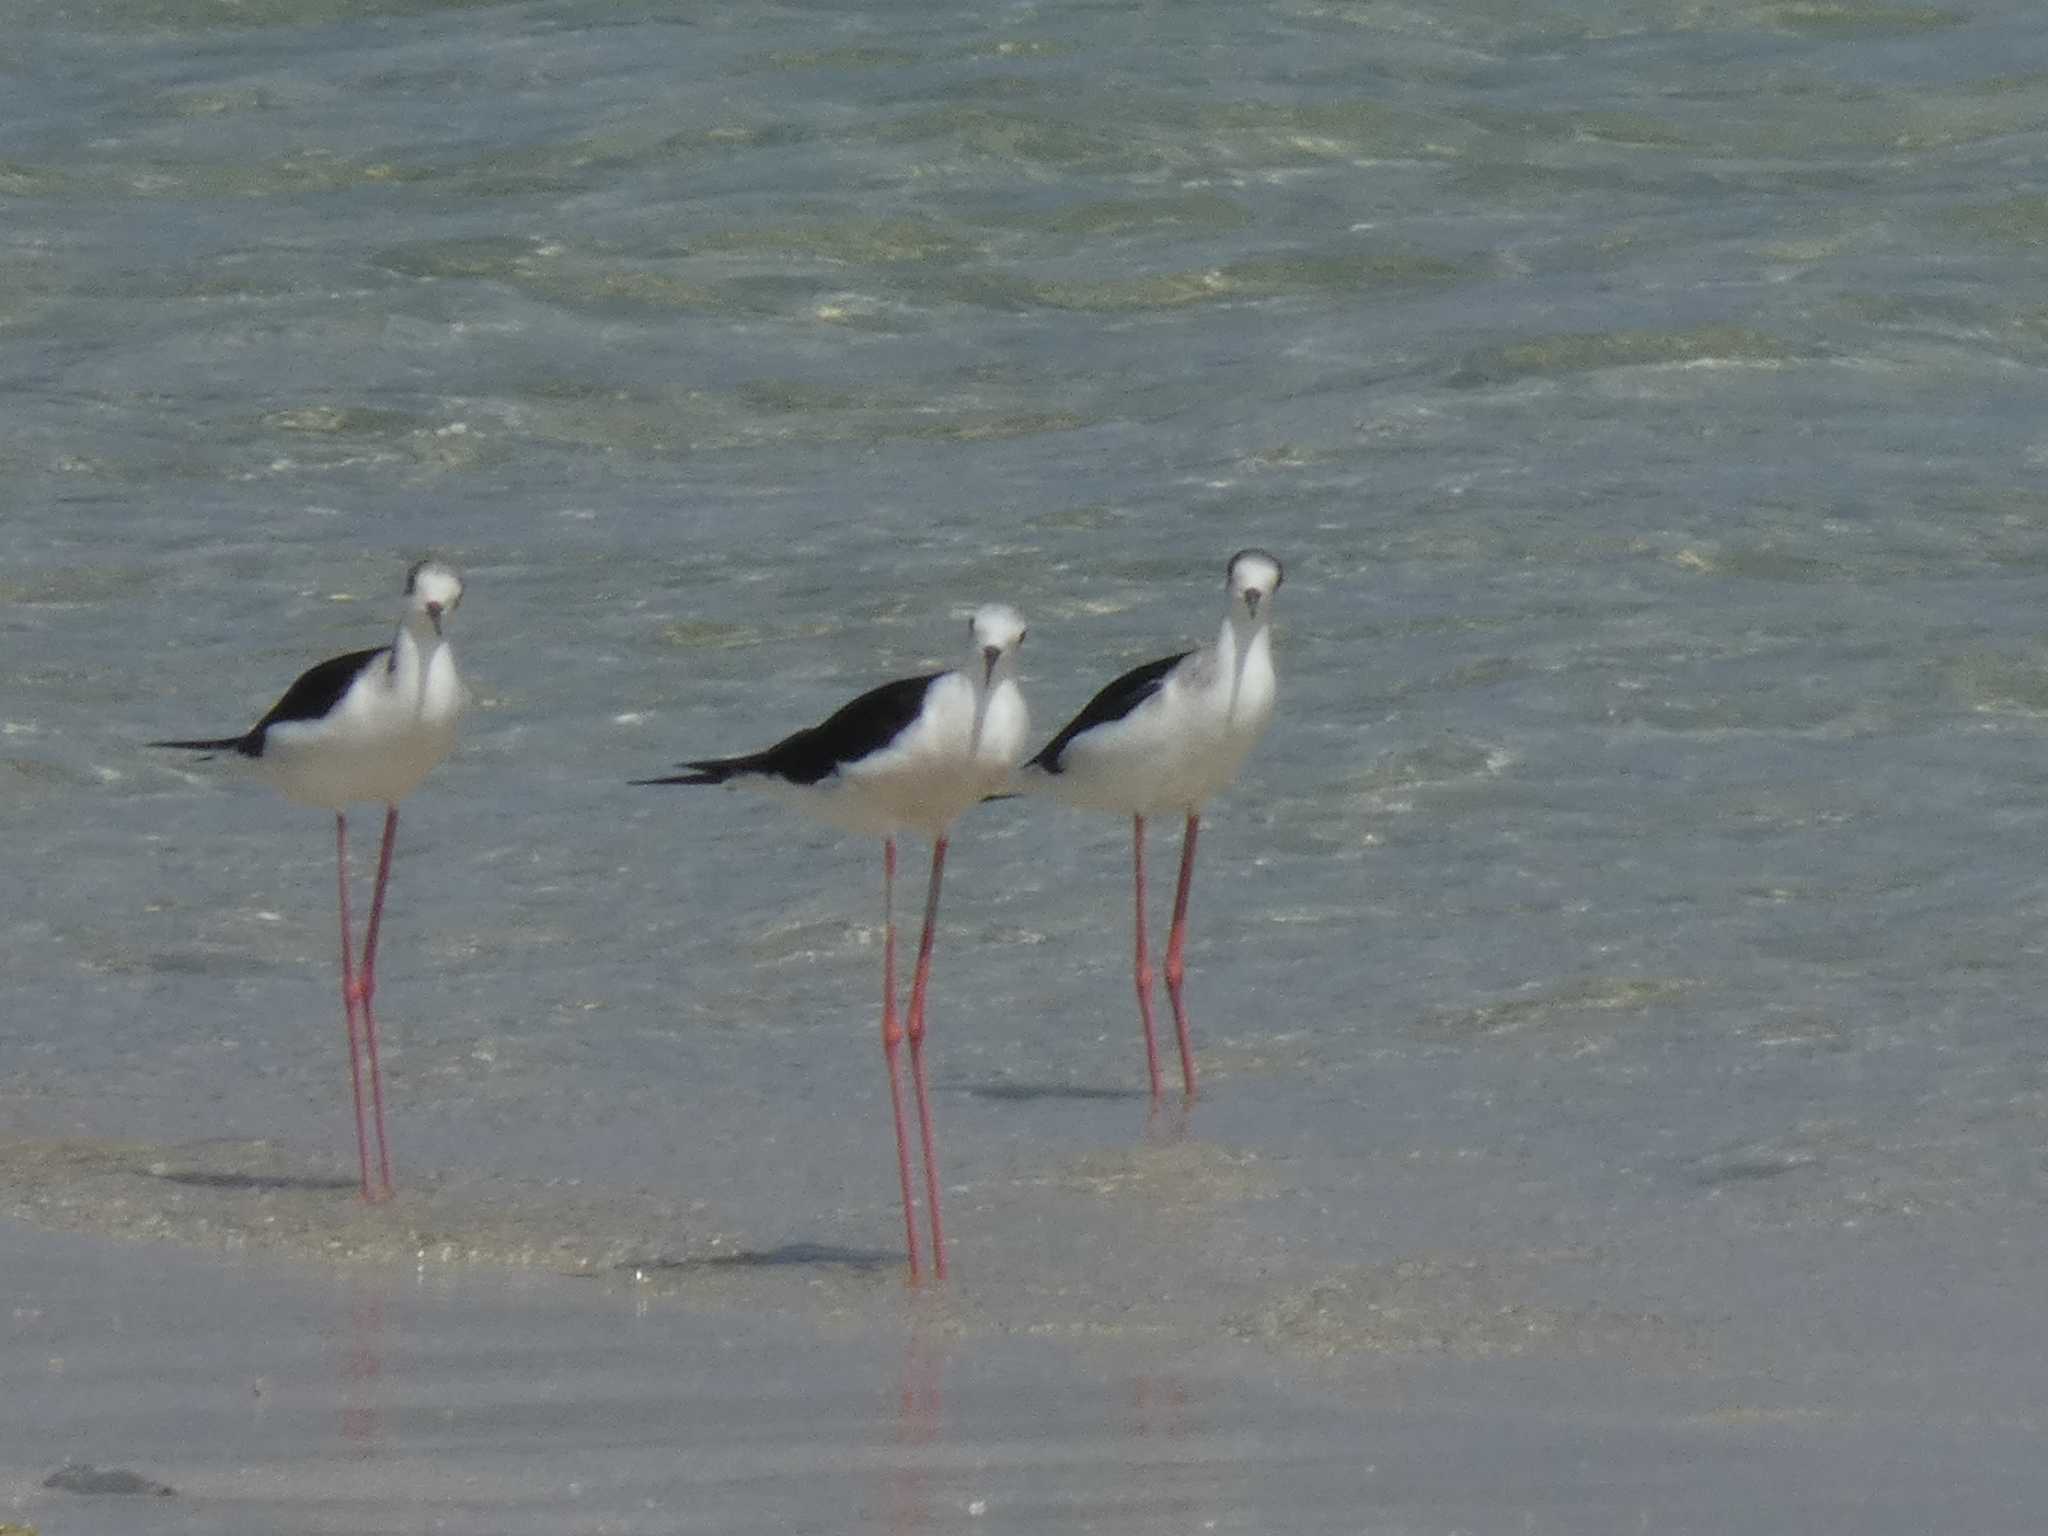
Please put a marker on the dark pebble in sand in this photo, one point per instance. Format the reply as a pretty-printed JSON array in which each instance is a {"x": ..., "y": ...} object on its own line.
[{"x": 83, "y": 1477}]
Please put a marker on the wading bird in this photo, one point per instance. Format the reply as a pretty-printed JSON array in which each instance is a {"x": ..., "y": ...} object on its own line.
[
  {"x": 908, "y": 756},
  {"x": 366, "y": 726},
  {"x": 1162, "y": 739}
]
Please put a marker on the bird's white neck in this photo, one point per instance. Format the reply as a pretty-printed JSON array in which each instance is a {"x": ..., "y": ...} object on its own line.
[
  {"x": 987, "y": 682},
  {"x": 1243, "y": 643},
  {"x": 414, "y": 651}
]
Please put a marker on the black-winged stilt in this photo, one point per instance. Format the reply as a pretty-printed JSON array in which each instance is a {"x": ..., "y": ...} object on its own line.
[
  {"x": 366, "y": 726},
  {"x": 1163, "y": 738},
  {"x": 908, "y": 756}
]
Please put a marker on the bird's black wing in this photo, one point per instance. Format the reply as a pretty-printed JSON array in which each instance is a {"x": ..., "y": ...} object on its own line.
[
  {"x": 856, "y": 730},
  {"x": 1118, "y": 698},
  {"x": 312, "y": 697}
]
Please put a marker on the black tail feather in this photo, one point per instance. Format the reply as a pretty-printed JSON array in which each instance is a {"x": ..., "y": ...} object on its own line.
[
  {"x": 714, "y": 770},
  {"x": 217, "y": 744}
]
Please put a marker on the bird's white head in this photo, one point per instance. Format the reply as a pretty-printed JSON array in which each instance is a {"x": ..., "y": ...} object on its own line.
[
  {"x": 432, "y": 592},
  {"x": 997, "y": 630},
  {"x": 1253, "y": 577}
]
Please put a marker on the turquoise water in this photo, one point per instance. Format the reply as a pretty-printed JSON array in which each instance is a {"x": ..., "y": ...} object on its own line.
[{"x": 1635, "y": 910}]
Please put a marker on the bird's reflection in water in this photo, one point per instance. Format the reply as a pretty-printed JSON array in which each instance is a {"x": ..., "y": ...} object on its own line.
[
  {"x": 907, "y": 1503},
  {"x": 361, "y": 1344}
]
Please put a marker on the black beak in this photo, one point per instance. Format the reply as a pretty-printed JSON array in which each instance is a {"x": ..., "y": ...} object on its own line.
[
  {"x": 434, "y": 613},
  {"x": 990, "y": 655},
  {"x": 1251, "y": 603}
]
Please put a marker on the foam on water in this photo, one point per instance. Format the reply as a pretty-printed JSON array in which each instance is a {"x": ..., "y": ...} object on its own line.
[{"x": 1624, "y": 952}]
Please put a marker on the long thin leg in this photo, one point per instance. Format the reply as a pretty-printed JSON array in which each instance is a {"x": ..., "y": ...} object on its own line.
[
  {"x": 1141, "y": 968},
  {"x": 1176, "y": 966},
  {"x": 348, "y": 1001},
  {"x": 924, "y": 1107},
  {"x": 892, "y": 1036},
  {"x": 370, "y": 992}
]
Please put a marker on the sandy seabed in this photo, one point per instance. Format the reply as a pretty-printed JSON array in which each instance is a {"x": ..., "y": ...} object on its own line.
[
  {"x": 227, "y": 1320},
  {"x": 1155, "y": 1258}
]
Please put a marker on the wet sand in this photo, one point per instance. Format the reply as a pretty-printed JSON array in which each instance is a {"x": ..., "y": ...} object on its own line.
[
  {"x": 1149, "y": 1243},
  {"x": 481, "y": 1355}
]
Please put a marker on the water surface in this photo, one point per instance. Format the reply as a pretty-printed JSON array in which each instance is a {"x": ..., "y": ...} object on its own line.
[{"x": 1617, "y": 971}]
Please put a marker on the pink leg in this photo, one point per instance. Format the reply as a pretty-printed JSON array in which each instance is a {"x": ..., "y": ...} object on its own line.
[
  {"x": 370, "y": 991},
  {"x": 892, "y": 1036},
  {"x": 916, "y": 1030},
  {"x": 1141, "y": 970},
  {"x": 348, "y": 1002},
  {"x": 1176, "y": 966}
]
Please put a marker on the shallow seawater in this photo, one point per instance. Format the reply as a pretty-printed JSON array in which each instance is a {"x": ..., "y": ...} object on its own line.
[{"x": 1618, "y": 966}]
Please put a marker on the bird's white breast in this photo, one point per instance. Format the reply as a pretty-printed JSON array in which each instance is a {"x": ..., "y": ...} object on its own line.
[
  {"x": 961, "y": 749},
  {"x": 390, "y": 730},
  {"x": 1179, "y": 747}
]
